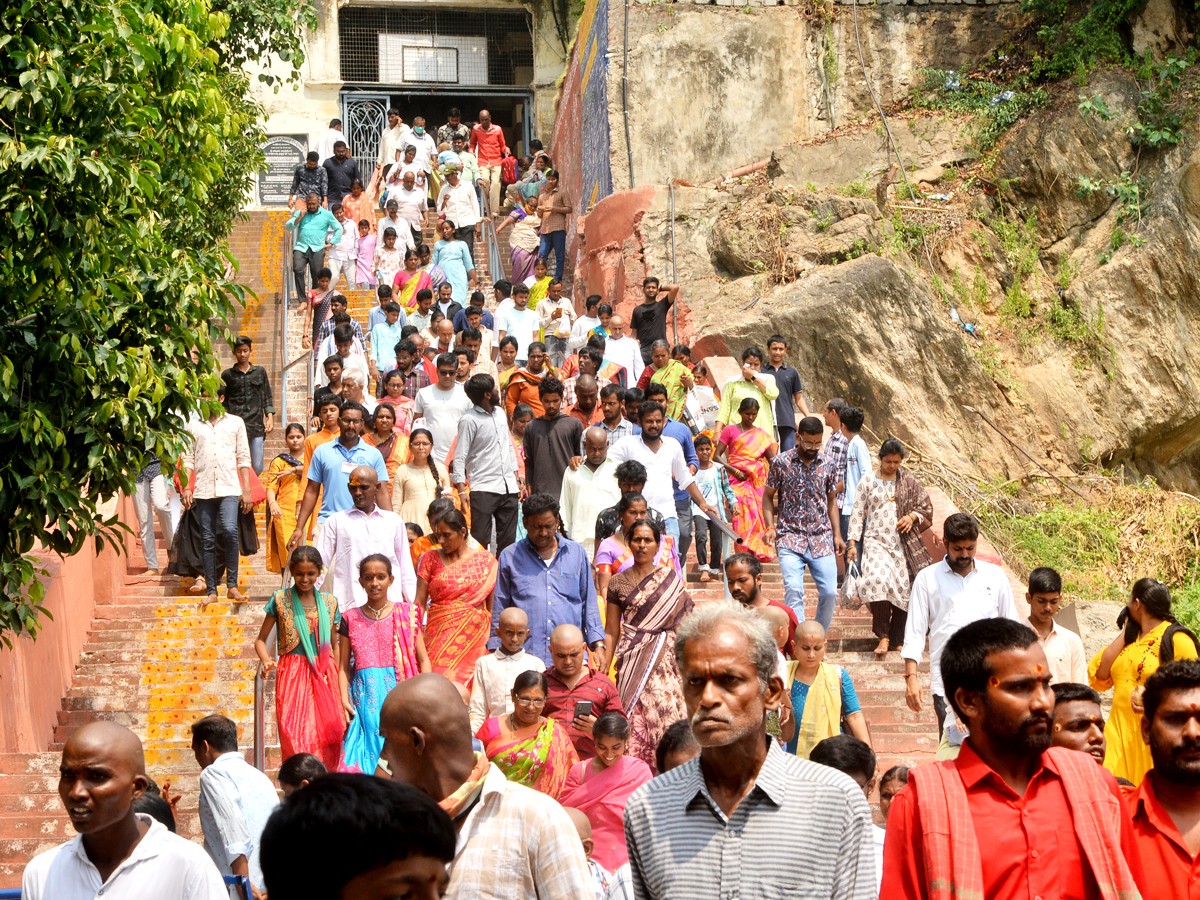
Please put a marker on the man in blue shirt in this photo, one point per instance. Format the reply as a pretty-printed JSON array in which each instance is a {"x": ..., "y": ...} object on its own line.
[
  {"x": 312, "y": 227},
  {"x": 550, "y": 578},
  {"x": 330, "y": 469}
]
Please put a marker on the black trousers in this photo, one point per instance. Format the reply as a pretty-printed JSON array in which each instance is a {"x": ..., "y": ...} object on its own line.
[{"x": 485, "y": 506}]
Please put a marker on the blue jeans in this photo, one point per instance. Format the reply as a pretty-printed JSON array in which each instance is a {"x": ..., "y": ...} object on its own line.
[
  {"x": 256, "y": 453},
  {"x": 787, "y": 437},
  {"x": 556, "y": 241},
  {"x": 824, "y": 573},
  {"x": 672, "y": 527},
  {"x": 224, "y": 510}
]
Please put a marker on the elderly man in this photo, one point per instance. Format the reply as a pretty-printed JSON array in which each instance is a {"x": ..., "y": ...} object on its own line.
[
  {"x": 589, "y": 490},
  {"x": 317, "y": 229},
  {"x": 329, "y": 472},
  {"x": 713, "y": 826},
  {"x": 623, "y": 350},
  {"x": 236, "y": 800},
  {"x": 513, "y": 842},
  {"x": 550, "y": 578},
  {"x": 459, "y": 203},
  {"x": 586, "y": 407},
  {"x": 1078, "y": 722},
  {"x": 485, "y": 459},
  {"x": 1012, "y": 815},
  {"x": 351, "y": 535},
  {"x": 217, "y": 473},
  {"x": 578, "y": 695},
  {"x": 492, "y": 682},
  {"x": 117, "y": 852},
  {"x": 412, "y": 207}
]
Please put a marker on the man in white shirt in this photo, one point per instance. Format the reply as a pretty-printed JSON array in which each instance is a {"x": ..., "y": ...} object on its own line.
[
  {"x": 426, "y": 147},
  {"x": 946, "y": 596},
  {"x": 236, "y": 799},
  {"x": 328, "y": 139},
  {"x": 485, "y": 460},
  {"x": 353, "y": 534},
  {"x": 117, "y": 853},
  {"x": 584, "y": 324},
  {"x": 492, "y": 683},
  {"x": 589, "y": 489},
  {"x": 1064, "y": 648},
  {"x": 459, "y": 204},
  {"x": 412, "y": 205},
  {"x": 441, "y": 405},
  {"x": 520, "y": 321},
  {"x": 623, "y": 350},
  {"x": 393, "y": 139},
  {"x": 663, "y": 458},
  {"x": 217, "y": 471},
  {"x": 555, "y": 315},
  {"x": 513, "y": 841}
]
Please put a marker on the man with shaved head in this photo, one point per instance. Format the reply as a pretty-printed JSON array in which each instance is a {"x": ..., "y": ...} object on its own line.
[
  {"x": 623, "y": 350},
  {"x": 590, "y": 489},
  {"x": 577, "y": 695},
  {"x": 513, "y": 842},
  {"x": 118, "y": 853},
  {"x": 492, "y": 683},
  {"x": 351, "y": 535}
]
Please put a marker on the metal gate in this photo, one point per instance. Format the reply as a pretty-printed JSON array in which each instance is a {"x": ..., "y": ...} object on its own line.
[{"x": 365, "y": 118}]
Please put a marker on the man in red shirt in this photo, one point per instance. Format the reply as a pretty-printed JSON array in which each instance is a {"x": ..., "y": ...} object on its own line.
[
  {"x": 572, "y": 681},
  {"x": 487, "y": 143},
  {"x": 1166, "y": 808},
  {"x": 1011, "y": 816}
]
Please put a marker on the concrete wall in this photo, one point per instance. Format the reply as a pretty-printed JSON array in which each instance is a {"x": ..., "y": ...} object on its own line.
[
  {"x": 36, "y": 673},
  {"x": 713, "y": 88}
]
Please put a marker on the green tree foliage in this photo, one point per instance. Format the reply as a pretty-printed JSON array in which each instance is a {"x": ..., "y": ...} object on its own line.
[{"x": 126, "y": 144}]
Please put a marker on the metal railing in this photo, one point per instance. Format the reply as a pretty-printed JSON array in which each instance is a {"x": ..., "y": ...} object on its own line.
[{"x": 491, "y": 243}]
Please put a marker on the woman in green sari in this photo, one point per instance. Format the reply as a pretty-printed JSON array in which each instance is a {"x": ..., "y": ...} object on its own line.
[
  {"x": 671, "y": 374},
  {"x": 307, "y": 699}
]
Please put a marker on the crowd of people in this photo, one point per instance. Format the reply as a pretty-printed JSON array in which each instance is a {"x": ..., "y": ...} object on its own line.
[{"x": 491, "y": 677}]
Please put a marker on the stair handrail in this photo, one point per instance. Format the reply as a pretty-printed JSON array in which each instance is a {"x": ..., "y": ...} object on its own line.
[
  {"x": 260, "y": 710},
  {"x": 491, "y": 243}
]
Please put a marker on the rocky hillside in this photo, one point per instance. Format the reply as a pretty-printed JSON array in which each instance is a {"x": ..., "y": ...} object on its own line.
[{"x": 1029, "y": 307}]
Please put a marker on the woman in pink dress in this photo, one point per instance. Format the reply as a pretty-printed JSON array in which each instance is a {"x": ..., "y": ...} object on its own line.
[{"x": 600, "y": 787}]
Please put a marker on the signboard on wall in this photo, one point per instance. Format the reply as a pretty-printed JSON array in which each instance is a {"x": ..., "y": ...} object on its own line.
[{"x": 283, "y": 153}]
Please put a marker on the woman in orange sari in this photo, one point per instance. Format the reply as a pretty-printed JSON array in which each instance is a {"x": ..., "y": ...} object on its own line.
[
  {"x": 455, "y": 583},
  {"x": 748, "y": 451},
  {"x": 391, "y": 444},
  {"x": 529, "y": 748},
  {"x": 600, "y": 787},
  {"x": 409, "y": 280}
]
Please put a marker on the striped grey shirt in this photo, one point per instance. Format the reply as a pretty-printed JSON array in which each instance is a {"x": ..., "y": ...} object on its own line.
[{"x": 803, "y": 831}]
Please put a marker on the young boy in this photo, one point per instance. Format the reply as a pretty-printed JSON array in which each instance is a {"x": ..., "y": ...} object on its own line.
[
  {"x": 1064, "y": 649},
  {"x": 379, "y": 313},
  {"x": 491, "y": 685},
  {"x": 713, "y": 482},
  {"x": 339, "y": 306},
  {"x": 385, "y": 336},
  {"x": 858, "y": 463}
]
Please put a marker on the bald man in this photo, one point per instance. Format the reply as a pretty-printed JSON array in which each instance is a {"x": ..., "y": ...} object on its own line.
[
  {"x": 118, "y": 853},
  {"x": 492, "y": 684},
  {"x": 577, "y": 695},
  {"x": 586, "y": 407},
  {"x": 513, "y": 842},
  {"x": 624, "y": 350},
  {"x": 589, "y": 490},
  {"x": 353, "y": 534}
]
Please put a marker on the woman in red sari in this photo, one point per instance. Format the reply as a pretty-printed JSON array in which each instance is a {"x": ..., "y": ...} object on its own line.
[
  {"x": 455, "y": 583},
  {"x": 646, "y": 603},
  {"x": 307, "y": 702},
  {"x": 600, "y": 787},
  {"x": 748, "y": 451},
  {"x": 529, "y": 748}
]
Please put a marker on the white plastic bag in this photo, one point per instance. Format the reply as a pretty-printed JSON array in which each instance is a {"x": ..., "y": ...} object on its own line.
[{"x": 850, "y": 597}]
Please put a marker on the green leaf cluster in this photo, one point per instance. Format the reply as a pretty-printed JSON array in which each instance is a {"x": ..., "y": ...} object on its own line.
[{"x": 126, "y": 149}]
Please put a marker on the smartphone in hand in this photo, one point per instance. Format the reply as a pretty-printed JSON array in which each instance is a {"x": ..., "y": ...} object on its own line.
[{"x": 583, "y": 708}]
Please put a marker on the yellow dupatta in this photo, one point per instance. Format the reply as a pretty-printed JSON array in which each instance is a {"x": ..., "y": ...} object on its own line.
[{"x": 822, "y": 716}]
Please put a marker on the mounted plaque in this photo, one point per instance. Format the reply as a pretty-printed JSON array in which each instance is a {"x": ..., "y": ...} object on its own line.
[{"x": 283, "y": 153}]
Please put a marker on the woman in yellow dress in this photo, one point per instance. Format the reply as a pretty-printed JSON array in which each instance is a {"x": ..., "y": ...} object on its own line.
[
  {"x": 282, "y": 482},
  {"x": 1150, "y": 636}
]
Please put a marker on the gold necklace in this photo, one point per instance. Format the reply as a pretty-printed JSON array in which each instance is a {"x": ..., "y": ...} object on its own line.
[{"x": 377, "y": 614}]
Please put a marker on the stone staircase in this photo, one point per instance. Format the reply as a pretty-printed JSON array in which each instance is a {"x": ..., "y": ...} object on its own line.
[{"x": 899, "y": 736}]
